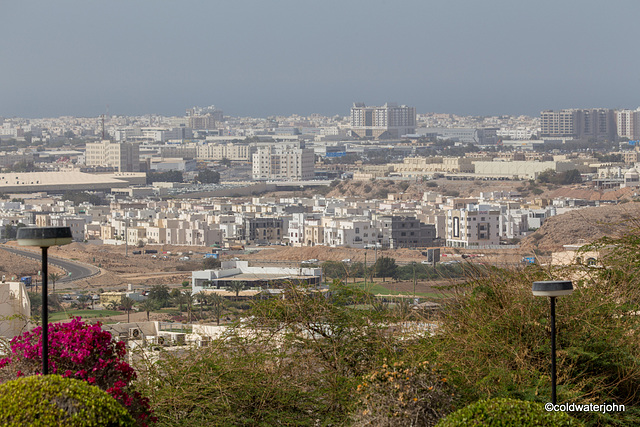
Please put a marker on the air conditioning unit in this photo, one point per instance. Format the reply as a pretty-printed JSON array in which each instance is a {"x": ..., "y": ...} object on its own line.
[
  {"x": 178, "y": 338},
  {"x": 135, "y": 333}
]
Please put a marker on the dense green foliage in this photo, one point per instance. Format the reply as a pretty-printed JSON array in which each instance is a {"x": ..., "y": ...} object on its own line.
[
  {"x": 55, "y": 401},
  {"x": 561, "y": 178},
  {"x": 168, "y": 176},
  {"x": 507, "y": 413},
  {"x": 208, "y": 176}
]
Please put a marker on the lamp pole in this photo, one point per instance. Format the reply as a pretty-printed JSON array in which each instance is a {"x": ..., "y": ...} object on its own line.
[
  {"x": 553, "y": 349},
  {"x": 45, "y": 311},
  {"x": 44, "y": 237},
  {"x": 552, "y": 289}
]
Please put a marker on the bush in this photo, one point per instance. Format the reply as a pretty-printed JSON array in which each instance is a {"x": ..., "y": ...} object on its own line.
[
  {"x": 53, "y": 400},
  {"x": 403, "y": 394},
  {"x": 494, "y": 341},
  {"x": 81, "y": 351},
  {"x": 507, "y": 412}
]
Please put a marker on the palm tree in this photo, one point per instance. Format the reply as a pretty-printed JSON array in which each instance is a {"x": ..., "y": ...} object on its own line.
[
  {"x": 217, "y": 303},
  {"x": 127, "y": 304},
  {"x": 189, "y": 298},
  {"x": 202, "y": 298},
  {"x": 237, "y": 287},
  {"x": 148, "y": 306}
]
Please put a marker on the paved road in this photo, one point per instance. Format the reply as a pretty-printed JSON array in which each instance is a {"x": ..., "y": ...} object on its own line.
[{"x": 78, "y": 271}]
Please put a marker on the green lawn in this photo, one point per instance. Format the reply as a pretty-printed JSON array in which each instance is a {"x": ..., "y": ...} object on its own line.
[
  {"x": 85, "y": 314},
  {"x": 386, "y": 288}
]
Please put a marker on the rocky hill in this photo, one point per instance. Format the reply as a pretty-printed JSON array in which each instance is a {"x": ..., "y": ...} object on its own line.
[{"x": 584, "y": 226}]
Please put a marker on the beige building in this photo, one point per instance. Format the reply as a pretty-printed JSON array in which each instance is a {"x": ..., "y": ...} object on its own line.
[
  {"x": 388, "y": 121},
  {"x": 123, "y": 156},
  {"x": 520, "y": 169},
  {"x": 286, "y": 162},
  {"x": 628, "y": 124},
  {"x": 225, "y": 151},
  {"x": 414, "y": 167}
]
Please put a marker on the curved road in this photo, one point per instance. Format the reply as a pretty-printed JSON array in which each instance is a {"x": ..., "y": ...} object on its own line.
[{"x": 78, "y": 270}]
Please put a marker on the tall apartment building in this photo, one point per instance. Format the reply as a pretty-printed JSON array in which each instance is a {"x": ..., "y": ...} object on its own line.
[
  {"x": 598, "y": 123},
  {"x": 388, "y": 121},
  {"x": 206, "y": 121},
  {"x": 289, "y": 162},
  {"x": 628, "y": 124},
  {"x": 124, "y": 156}
]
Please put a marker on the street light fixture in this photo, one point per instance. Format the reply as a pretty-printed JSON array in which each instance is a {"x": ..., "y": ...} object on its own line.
[
  {"x": 553, "y": 289},
  {"x": 44, "y": 237}
]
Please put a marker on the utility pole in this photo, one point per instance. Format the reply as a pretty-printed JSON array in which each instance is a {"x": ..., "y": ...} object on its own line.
[
  {"x": 414, "y": 282},
  {"x": 126, "y": 237},
  {"x": 365, "y": 270}
]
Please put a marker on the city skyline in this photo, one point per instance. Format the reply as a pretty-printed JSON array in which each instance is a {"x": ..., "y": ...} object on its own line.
[{"x": 75, "y": 58}]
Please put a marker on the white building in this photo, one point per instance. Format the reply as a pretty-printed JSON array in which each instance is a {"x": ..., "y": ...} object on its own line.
[
  {"x": 124, "y": 156},
  {"x": 283, "y": 162},
  {"x": 474, "y": 226}
]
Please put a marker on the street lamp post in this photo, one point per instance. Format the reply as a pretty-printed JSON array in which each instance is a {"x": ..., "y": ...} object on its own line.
[
  {"x": 553, "y": 289},
  {"x": 44, "y": 237}
]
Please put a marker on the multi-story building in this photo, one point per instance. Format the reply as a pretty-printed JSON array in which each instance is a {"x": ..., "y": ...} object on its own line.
[
  {"x": 628, "y": 124},
  {"x": 404, "y": 232},
  {"x": 288, "y": 162},
  {"x": 387, "y": 121},
  {"x": 475, "y": 226},
  {"x": 263, "y": 230},
  {"x": 123, "y": 156},
  {"x": 597, "y": 123},
  {"x": 561, "y": 123},
  {"x": 225, "y": 151}
]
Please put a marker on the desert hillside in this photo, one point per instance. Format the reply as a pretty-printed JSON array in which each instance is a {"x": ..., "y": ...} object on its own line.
[{"x": 583, "y": 226}]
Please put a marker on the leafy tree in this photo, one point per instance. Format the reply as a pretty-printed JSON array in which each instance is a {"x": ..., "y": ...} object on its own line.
[
  {"x": 385, "y": 267},
  {"x": 160, "y": 296},
  {"x": 208, "y": 176},
  {"x": 211, "y": 263},
  {"x": 335, "y": 270},
  {"x": 168, "y": 176}
]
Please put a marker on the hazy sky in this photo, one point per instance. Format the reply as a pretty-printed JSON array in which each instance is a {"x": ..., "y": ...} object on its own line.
[{"x": 260, "y": 57}]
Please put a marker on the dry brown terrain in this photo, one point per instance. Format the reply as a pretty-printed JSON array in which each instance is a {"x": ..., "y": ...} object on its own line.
[{"x": 583, "y": 226}]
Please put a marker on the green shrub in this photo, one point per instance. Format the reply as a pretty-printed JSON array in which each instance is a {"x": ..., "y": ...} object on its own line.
[
  {"x": 507, "y": 412},
  {"x": 56, "y": 401}
]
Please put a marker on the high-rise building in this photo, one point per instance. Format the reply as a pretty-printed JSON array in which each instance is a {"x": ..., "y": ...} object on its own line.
[
  {"x": 628, "y": 124},
  {"x": 388, "y": 121},
  {"x": 123, "y": 156},
  {"x": 284, "y": 162},
  {"x": 596, "y": 123}
]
